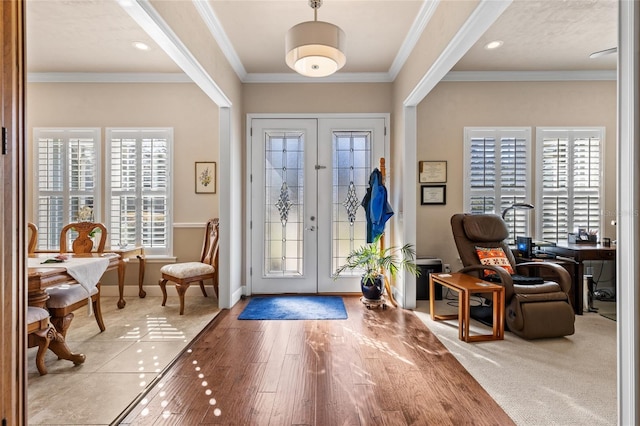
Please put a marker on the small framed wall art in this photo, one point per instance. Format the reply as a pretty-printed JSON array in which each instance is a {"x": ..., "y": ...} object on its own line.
[
  {"x": 433, "y": 194},
  {"x": 206, "y": 177},
  {"x": 432, "y": 171}
]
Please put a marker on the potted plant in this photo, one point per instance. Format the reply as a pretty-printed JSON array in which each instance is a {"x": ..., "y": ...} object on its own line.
[{"x": 374, "y": 261}]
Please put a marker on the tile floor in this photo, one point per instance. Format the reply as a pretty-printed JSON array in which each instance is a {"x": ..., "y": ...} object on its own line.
[{"x": 140, "y": 340}]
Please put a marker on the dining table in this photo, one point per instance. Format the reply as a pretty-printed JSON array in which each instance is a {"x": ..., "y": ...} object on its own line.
[{"x": 48, "y": 269}]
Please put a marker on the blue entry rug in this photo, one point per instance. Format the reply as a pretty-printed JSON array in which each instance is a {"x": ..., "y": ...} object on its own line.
[{"x": 294, "y": 308}]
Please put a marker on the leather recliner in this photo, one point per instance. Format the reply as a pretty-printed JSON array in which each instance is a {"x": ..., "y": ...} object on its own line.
[{"x": 532, "y": 311}]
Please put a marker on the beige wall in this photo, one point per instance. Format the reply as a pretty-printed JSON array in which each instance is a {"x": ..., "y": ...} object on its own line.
[
  {"x": 191, "y": 114},
  {"x": 317, "y": 98},
  {"x": 444, "y": 113}
]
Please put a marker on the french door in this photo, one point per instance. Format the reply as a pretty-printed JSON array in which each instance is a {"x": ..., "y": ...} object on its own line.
[{"x": 308, "y": 178}]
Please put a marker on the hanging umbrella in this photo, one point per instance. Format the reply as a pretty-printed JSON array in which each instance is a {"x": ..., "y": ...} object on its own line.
[{"x": 377, "y": 208}]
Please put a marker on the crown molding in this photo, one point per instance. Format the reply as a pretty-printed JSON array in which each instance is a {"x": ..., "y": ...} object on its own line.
[
  {"x": 482, "y": 17},
  {"x": 144, "y": 14},
  {"x": 419, "y": 24},
  {"x": 352, "y": 77},
  {"x": 217, "y": 31},
  {"x": 584, "y": 75},
  {"x": 104, "y": 77}
]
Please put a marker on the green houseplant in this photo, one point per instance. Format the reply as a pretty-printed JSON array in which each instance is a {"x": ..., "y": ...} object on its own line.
[{"x": 374, "y": 261}]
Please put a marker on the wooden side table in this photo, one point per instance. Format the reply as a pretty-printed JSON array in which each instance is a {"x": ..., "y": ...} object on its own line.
[{"x": 465, "y": 285}]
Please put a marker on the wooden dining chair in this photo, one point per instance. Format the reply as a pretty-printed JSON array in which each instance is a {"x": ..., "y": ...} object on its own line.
[
  {"x": 68, "y": 297},
  {"x": 40, "y": 334},
  {"x": 33, "y": 237},
  {"x": 185, "y": 273}
]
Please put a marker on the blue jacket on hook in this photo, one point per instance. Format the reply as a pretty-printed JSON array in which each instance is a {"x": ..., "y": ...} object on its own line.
[{"x": 377, "y": 208}]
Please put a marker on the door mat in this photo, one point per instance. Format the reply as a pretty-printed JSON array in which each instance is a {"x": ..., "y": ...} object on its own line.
[{"x": 294, "y": 308}]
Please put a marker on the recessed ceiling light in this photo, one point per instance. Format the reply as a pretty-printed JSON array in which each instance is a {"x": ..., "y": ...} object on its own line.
[
  {"x": 493, "y": 44},
  {"x": 140, "y": 45}
]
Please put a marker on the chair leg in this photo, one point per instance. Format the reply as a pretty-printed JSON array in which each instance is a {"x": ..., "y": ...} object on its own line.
[
  {"x": 202, "y": 288},
  {"x": 181, "y": 291},
  {"x": 215, "y": 284},
  {"x": 163, "y": 287},
  {"x": 43, "y": 339},
  {"x": 97, "y": 312}
]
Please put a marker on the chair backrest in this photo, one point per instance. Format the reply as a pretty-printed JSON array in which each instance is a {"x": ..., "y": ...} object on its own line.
[
  {"x": 33, "y": 237},
  {"x": 479, "y": 230},
  {"x": 210, "y": 246},
  {"x": 83, "y": 242}
]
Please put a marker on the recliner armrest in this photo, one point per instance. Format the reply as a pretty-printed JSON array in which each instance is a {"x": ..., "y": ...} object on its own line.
[{"x": 561, "y": 276}]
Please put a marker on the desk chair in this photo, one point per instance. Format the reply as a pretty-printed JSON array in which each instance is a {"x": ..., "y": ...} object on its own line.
[
  {"x": 532, "y": 310},
  {"x": 183, "y": 274},
  {"x": 66, "y": 298}
]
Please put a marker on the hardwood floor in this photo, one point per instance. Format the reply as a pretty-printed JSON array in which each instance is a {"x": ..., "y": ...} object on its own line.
[{"x": 376, "y": 367}]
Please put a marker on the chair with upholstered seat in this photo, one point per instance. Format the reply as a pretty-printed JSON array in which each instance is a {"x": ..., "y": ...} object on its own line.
[
  {"x": 535, "y": 307},
  {"x": 39, "y": 334},
  {"x": 66, "y": 298},
  {"x": 183, "y": 274}
]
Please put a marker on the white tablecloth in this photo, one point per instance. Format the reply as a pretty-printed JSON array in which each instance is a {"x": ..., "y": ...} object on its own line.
[{"x": 86, "y": 270}]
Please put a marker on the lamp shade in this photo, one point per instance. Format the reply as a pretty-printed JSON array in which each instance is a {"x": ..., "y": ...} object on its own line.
[{"x": 315, "y": 48}]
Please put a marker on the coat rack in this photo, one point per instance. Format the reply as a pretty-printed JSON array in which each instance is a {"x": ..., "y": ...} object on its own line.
[{"x": 387, "y": 285}]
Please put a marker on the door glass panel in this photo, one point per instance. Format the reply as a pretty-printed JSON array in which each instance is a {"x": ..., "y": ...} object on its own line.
[
  {"x": 351, "y": 168},
  {"x": 284, "y": 222}
]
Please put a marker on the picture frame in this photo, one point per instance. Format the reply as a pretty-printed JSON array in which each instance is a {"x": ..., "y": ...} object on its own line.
[
  {"x": 205, "y": 177},
  {"x": 432, "y": 171},
  {"x": 433, "y": 194}
]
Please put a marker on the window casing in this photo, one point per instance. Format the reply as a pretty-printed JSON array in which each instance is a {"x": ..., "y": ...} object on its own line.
[
  {"x": 497, "y": 174},
  {"x": 67, "y": 170},
  {"x": 139, "y": 188},
  {"x": 569, "y": 194}
]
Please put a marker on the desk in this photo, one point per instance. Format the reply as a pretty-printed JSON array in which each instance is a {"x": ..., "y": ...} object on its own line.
[
  {"x": 464, "y": 285},
  {"x": 579, "y": 253},
  {"x": 42, "y": 277}
]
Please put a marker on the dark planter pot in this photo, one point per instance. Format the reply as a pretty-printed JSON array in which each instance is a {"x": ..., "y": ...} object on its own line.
[{"x": 372, "y": 292}]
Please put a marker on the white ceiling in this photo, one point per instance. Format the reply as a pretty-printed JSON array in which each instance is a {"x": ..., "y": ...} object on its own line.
[{"x": 95, "y": 36}]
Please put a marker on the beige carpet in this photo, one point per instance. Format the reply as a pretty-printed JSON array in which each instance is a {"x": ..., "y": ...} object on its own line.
[{"x": 563, "y": 381}]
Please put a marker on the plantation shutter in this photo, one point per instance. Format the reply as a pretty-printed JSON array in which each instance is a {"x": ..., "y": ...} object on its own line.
[
  {"x": 569, "y": 195},
  {"x": 66, "y": 175},
  {"x": 139, "y": 195},
  {"x": 497, "y": 173}
]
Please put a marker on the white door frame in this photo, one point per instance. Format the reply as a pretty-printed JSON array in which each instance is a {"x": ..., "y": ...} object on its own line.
[{"x": 247, "y": 290}]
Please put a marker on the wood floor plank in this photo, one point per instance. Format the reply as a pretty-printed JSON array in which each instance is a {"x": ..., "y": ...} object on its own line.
[{"x": 377, "y": 367}]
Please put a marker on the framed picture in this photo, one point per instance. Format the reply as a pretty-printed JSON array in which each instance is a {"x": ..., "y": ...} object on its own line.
[
  {"x": 433, "y": 194},
  {"x": 205, "y": 177},
  {"x": 432, "y": 171}
]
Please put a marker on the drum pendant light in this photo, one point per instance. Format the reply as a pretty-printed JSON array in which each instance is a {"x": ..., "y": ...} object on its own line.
[{"x": 315, "y": 48}]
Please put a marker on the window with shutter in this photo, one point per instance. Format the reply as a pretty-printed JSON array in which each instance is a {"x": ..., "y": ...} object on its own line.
[
  {"x": 570, "y": 172},
  {"x": 67, "y": 166},
  {"x": 498, "y": 173},
  {"x": 139, "y": 188}
]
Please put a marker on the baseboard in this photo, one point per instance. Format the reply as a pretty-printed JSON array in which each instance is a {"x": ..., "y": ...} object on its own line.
[{"x": 131, "y": 291}]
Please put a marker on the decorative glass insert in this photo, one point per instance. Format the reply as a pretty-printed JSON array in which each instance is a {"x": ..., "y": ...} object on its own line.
[
  {"x": 284, "y": 201},
  {"x": 351, "y": 170}
]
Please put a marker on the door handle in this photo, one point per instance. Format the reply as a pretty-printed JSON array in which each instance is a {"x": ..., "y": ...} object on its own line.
[{"x": 311, "y": 228}]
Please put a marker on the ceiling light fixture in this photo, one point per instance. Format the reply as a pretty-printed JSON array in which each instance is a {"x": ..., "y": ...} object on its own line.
[
  {"x": 315, "y": 48},
  {"x": 493, "y": 44}
]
